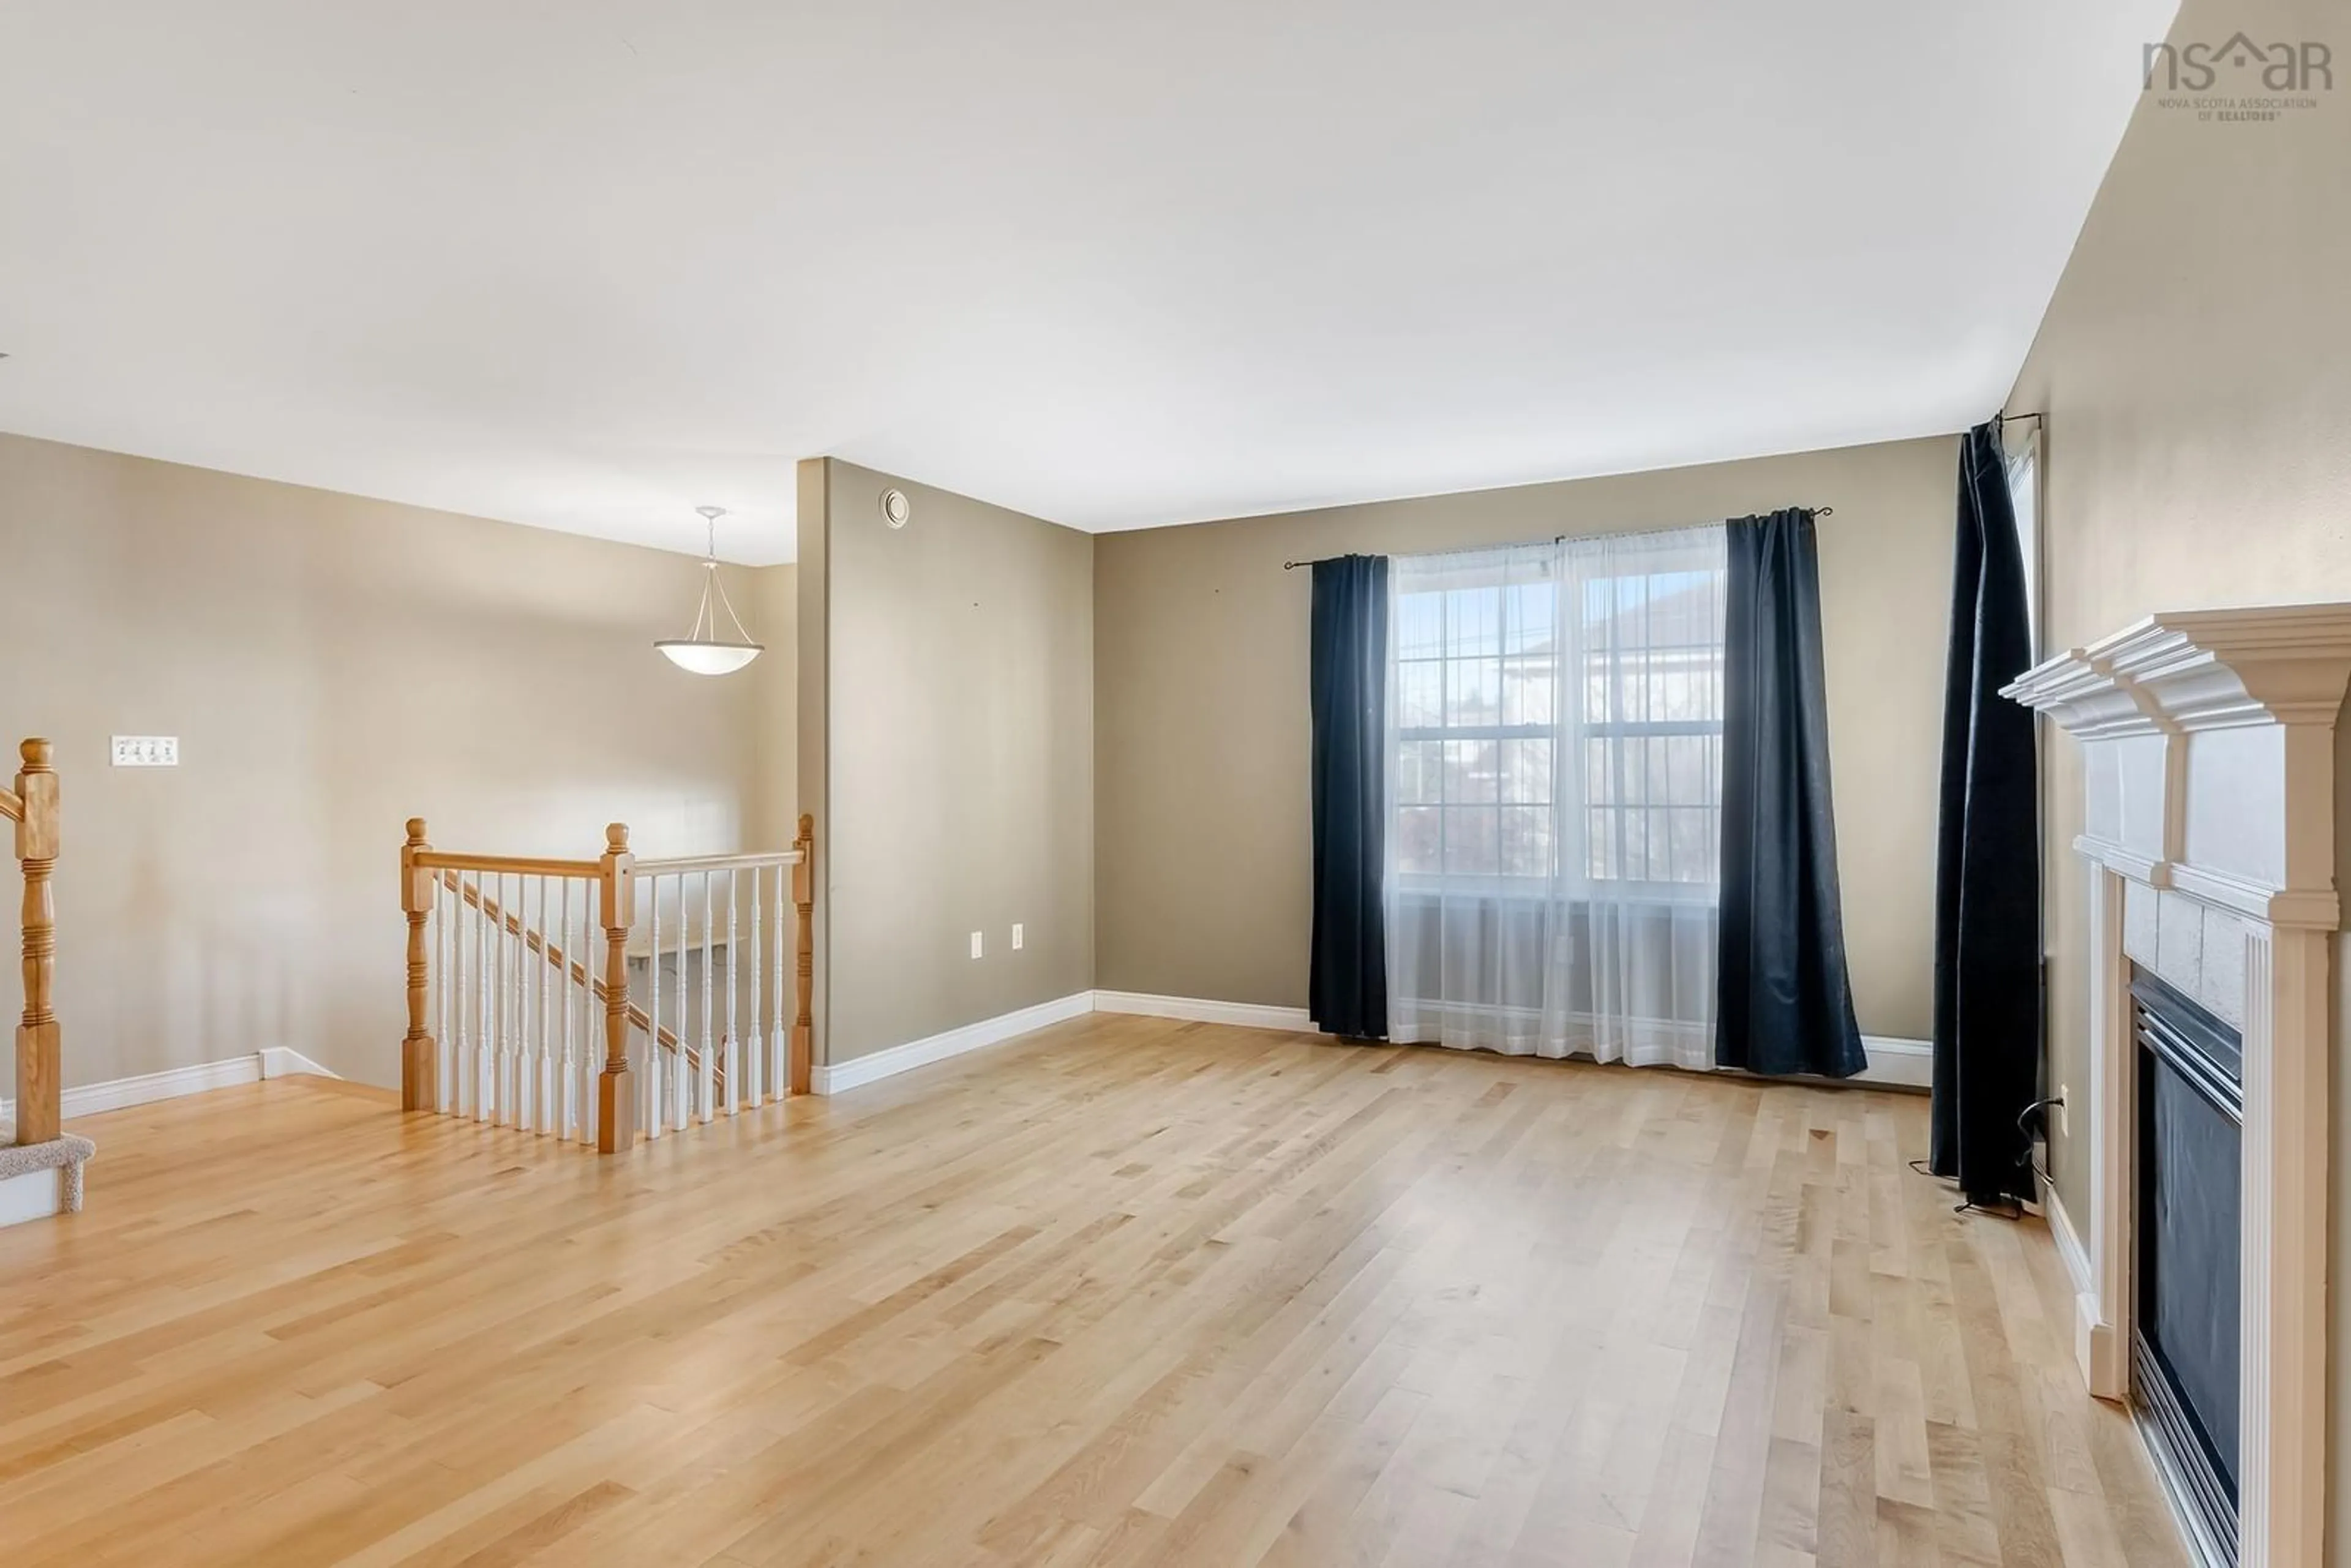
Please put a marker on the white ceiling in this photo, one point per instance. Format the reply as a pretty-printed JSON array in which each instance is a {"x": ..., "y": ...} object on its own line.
[{"x": 589, "y": 263}]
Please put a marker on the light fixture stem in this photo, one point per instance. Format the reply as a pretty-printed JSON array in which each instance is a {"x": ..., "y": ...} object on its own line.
[
  {"x": 740, "y": 634},
  {"x": 702, "y": 612},
  {"x": 700, "y": 650}
]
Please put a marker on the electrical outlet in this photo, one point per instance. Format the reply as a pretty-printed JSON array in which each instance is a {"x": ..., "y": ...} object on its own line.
[
  {"x": 974, "y": 943},
  {"x": 2064, "y": 1123},
  {"x": 146, "y": 751},
  {"x": 1016, "y": 936}
]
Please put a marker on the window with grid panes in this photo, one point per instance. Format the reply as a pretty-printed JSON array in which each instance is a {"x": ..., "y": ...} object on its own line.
[{"x": 1484, "y": 728}]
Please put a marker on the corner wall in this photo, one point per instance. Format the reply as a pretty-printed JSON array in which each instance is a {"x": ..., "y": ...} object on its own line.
[
  {"x": 2194, "y": 365},
  {"x": 769, "y": 599},
  {"x": 947, "y": 743}
]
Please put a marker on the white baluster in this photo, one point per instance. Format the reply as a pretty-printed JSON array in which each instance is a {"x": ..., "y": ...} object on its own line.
[
  {"x": 566, "y": 1106},
  {"x": 681, "y": 1110},
  {"x": 734, "y": 1088},
  {"x": 486, "y": 1049},
  {"x": 452, "y": 1092},
  {"x": 510, "y": 1058},
  {"x": 528, "y": 969},
  {"x": 501, "y": 1000},
  {"x": 521, "y": 1107},
  {"x": 552, "y": 1064},
  {"x": 486, "y": 996},
  {"x": 510, "y": 1051},
  {"x": 469, "y": 936},
  {"x": 755, "y": 1059},
  {"x": 656, "y": 1069},
  {"x": 526, "y": 972},
  {"x": 452, "y": 1035},
  {"x": 708, "y": 1085},
  {"x": 590, "y": 1054},
  {"x": 444, "y": 982},
  {"x": 543, "y": 1081},
  {"x": 486, "y": 1053}
]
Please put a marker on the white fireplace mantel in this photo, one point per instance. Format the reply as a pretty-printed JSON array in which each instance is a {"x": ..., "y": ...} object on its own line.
[{"x": 2208, "y": 760}]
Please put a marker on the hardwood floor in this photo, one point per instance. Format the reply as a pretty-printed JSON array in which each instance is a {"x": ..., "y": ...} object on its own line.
[{"x": 1128, "y": 1292}]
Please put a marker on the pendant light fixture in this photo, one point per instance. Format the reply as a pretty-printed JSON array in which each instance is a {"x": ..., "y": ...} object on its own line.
[{"x": 702, "y": 650}]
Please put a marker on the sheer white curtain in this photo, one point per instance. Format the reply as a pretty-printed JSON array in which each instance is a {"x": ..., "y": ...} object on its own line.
[{"x": 1555, "y": 742}]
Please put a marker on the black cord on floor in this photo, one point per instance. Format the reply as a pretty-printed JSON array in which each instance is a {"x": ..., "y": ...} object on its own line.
[{"x": 2008, "y": 1208}]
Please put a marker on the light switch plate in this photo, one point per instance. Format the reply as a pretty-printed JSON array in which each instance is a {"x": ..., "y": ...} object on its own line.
[
  {"x": 1016, "y": 936},
  {"x": 146, "y": 751},
  {"x": 974, "y": 943}
]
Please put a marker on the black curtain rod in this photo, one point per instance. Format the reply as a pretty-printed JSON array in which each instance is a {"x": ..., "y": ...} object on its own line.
[
  {"x": 1563, "y": 538},
  {"x": 2015, "y": 418}
]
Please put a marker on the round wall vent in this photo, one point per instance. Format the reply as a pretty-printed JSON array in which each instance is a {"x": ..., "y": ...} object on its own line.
[{"x": 895, "y": 508}]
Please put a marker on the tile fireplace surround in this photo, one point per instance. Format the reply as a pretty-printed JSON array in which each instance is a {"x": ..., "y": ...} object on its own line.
[{"x": 2208, "y": 757}]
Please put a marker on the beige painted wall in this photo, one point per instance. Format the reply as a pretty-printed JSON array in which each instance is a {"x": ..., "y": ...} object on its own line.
[
  {"x": 331, "y": 666},
  {"x": 2196, "y": 366},
  {"x": 955, "y": 743},
  {"x": 1201, "y": 710},
  {"x": 771, "y": 601}
]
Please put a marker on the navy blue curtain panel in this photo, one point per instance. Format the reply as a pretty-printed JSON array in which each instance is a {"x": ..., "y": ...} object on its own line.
[
  {"x": 1988, "y": 854},
  {"x": 1785, "y": 1003},
  {"x": 1347, "y": 983}
]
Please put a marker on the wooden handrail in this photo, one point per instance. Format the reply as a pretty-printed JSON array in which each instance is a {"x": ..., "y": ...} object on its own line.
[
  {"x": 39, "y": 1071},
  {"x": 515, "y": 865},
  {"x": 758, "y": 860},
  {"x": 12, "y": 805}
]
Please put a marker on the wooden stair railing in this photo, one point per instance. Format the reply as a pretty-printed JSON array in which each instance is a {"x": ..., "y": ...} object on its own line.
[
  {"x": 574, "y": 972},
  {"x": 32, "y": 805},
  {"x": 488, "y": 1039}
]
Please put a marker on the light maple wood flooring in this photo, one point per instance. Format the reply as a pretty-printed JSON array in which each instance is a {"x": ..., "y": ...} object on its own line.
[{"x": 1126, "y": 1291}]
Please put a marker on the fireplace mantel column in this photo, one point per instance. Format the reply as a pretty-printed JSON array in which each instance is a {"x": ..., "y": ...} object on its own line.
[{"x": 2207, "y": 755}]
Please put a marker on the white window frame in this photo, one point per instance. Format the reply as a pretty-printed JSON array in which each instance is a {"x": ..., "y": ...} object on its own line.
[
  {"x": 2024, "y": 494},
  {"x": 1566, "y": 739}
]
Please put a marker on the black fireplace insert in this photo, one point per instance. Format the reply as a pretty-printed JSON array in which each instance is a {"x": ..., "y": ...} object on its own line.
[{"x": 2186, "y": 1343}]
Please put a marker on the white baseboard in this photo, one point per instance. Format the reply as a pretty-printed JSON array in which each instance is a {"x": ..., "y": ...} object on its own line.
[
  {"x": 1894, "y": 1062},
  {"x": 121, "y": 1094},
  {"x": 284, "y": 1061},
  {"x": 1897, "y": 1062},
  {"x": 1193, "y": 1010},
  {"x": 2098, "y": 1350},
  {"x": 2070, "y": 1251},
  {"x": 833, "y": 1078}
]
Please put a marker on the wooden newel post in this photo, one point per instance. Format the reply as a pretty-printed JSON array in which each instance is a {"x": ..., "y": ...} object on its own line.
[
  {"x": 39, "y": 1072},
  {"x": 804, "y": 957},
  {"x": 616, "y": 1103},
  {"x": 420, "y": 1063}
]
